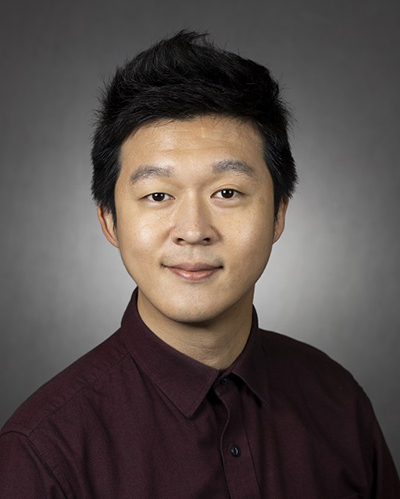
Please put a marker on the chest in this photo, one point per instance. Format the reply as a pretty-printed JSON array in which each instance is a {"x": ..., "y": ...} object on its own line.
[{"x": 233, "y": 446}]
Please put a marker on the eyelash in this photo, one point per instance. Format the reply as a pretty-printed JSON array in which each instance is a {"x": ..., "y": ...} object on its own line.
[{"x": 163, "y": 194}]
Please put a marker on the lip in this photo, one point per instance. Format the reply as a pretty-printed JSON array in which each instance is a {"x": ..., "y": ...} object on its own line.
[{"x": 193, "y": 271}]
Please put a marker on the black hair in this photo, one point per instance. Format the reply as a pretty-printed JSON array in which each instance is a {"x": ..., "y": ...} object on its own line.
[{"x": 179, "y": 78}]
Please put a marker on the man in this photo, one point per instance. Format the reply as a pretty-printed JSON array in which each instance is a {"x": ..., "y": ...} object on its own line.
[{"x": 189, "y": 398}]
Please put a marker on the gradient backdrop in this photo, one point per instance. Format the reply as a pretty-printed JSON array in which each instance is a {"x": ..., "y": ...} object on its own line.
[{"x": 333, "y": 278}]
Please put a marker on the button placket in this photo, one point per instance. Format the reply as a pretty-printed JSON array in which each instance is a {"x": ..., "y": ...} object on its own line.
[{"x": 236, "y": 456}]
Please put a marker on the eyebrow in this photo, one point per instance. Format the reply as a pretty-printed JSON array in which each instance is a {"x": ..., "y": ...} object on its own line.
[
  {"x": 233, "y": 165},
  {"x": 226, "y": 165},
  {"x": 149, "y": 171}
]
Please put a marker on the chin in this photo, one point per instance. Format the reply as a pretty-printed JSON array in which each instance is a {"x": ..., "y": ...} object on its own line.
[
  {"x": 200, "y": 307},
  {"x": 193, "y": 315},
  {"x": 200, "y": 311}
]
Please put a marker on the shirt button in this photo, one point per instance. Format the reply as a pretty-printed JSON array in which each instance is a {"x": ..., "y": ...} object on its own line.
[
  {"x": 235, "y": 451},
  {"x": 223, "y": 381}
]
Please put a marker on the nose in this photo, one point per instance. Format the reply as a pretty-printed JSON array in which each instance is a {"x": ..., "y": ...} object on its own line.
[{"x": 193, "y": 223}]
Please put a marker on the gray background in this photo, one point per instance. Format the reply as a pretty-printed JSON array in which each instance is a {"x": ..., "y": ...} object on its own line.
[{"x": 333, "y": 279}]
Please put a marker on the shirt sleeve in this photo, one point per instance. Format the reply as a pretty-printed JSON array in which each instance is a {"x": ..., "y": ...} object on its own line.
[
  {"x": 385, "y": 483},
  {"x": 23, "y": 473}
]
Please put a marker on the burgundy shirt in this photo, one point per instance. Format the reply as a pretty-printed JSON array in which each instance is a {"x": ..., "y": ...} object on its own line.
[{"x": 135, "y": 418}]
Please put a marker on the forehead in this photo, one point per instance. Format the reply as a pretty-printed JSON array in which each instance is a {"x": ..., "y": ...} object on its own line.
[{"x": 204, "y": 140}]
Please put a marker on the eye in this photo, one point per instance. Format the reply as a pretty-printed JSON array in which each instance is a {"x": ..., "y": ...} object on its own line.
[
  {"x": 158, "y": 196},
  {"x": 226, "y": 193}
]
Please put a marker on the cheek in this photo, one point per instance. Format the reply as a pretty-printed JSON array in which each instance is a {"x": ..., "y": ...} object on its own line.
[
  {"x": 251, "y": 242},
  {"x": 137, "y": 236}
]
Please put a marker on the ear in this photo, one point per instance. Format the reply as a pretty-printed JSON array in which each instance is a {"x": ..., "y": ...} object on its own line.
[
  {"x": 280, "y": 219},
  {"x": 107, "y": 225}
]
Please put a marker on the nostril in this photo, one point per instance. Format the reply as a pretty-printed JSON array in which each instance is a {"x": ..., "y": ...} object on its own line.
[{"x": 203, "y": 233}]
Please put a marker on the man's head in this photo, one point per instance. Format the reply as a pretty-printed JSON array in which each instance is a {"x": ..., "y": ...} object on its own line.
[
  {"x": 180, "y": 78},
  {"x": 192, "y": 174}
]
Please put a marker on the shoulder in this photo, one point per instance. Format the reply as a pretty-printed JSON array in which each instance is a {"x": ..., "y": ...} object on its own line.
[
  {"x": 65, "y": 387},
  {"x": 309, "y": 374},
  {"x": 284, "y": 351}
]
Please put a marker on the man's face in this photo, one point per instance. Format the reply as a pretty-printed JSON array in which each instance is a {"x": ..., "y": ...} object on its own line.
[{"x": 195, "y": 218}]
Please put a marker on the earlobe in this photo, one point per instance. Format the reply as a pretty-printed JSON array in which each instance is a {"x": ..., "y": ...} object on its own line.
[
  {"x": 107, "y": 225},
  {"x": 280, "y": 219}
]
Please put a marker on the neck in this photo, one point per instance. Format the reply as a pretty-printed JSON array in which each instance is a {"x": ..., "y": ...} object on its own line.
[{"x": 216, "y": 343}]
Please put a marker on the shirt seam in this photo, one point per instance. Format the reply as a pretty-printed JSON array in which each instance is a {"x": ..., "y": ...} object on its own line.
[
  {"x": 43, "y": 459},
  {"x": 76, "y": 393}
]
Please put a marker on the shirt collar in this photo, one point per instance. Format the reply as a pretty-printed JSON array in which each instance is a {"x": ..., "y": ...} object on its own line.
[
  {"x": 251, "y": 366},
  {"x": 184, "y": 380}
]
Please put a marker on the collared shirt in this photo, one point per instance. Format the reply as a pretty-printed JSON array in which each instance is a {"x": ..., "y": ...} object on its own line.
[{"x": 135, "y": 418}]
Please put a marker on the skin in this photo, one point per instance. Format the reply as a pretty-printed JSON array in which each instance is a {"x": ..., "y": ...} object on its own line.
[{"x": 195, "y": 228}]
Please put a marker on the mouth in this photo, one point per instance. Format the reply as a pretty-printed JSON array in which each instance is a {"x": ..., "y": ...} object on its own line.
[{"x": 193, "y": 271}]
